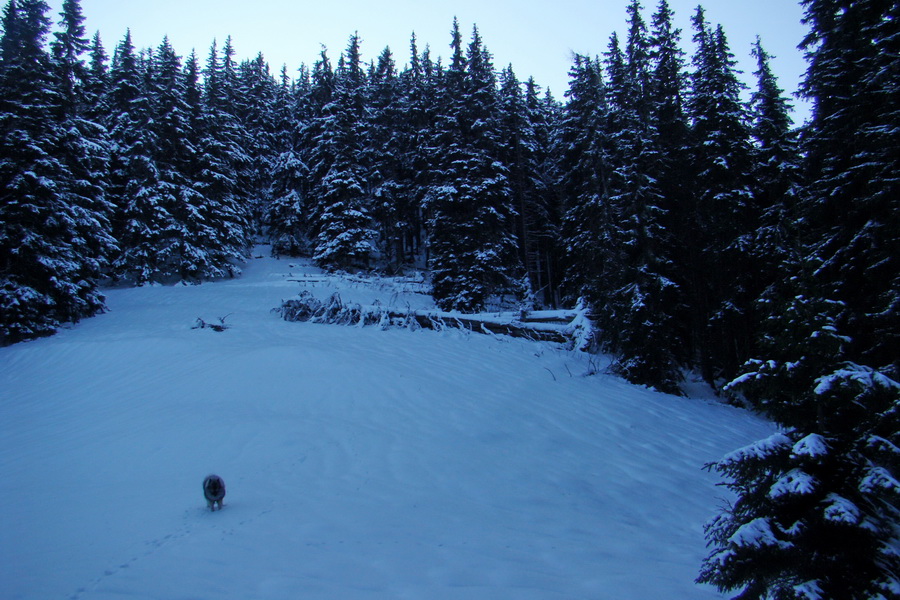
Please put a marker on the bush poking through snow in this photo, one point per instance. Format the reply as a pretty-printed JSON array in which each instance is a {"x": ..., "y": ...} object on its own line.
[{"x": 220, "y": 326}]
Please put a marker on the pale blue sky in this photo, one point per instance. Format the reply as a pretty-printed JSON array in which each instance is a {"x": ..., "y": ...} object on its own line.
[{"x": 538, "y": 38}]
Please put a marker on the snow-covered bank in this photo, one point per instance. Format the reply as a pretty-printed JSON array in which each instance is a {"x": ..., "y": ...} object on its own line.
[{"x": 360, "y": 463}]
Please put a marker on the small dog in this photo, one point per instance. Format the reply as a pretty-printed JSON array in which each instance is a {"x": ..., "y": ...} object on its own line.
[{"x": 213, "y": 491}]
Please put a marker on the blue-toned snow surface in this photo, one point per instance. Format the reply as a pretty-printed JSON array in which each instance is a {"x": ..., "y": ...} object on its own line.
[{"x": 359, "y": 462}]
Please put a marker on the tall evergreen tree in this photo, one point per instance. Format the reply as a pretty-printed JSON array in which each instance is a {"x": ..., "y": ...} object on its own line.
[
  {"x": 668, "y": 93},
  {"x": 258, "y": 90},
  {"x": 51, "y": 242},
  {"x": 543, "y": 217},
  {"x": 441, "y": 204},
  {"x": 635, "y": 304},
  {"x": 287, "y": 214},
  {"x": 388, "y": 159},
  {"x": 194, "y": 231},
  {"x": 668, "y": 83},
  {"x": 344, "y": 233},
  {"x": 97, "y": 80},
  {"x": 173, "y": 156},
  {"x": 585, "y": 170},
  {"x": 67, "y": 51},
  {"x": 818, "y": 506},
  {"x": 776, "y": 174},
  {"x": 227, "y": 105},
  {"x": 472, "y": 240},
  {"x": 852, "y": 200},
  {"x": 219, "y": 221},
  {"x": 720, "y": 296},
  {"x": 202, "y": 240},
  {"x": 141, "y": 221},
  {"x": 193, "y": 95},
  {"x": 418, "y": 106},
  {"x": 82, "y": 146},
  {"x": 537, "y": 217},
  {"x": 321, "y": 93}
]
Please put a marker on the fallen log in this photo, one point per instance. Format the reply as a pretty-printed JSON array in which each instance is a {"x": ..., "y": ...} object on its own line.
[
  {"x": 307, "y": 307},
  {"x": 472, "y": 323}
]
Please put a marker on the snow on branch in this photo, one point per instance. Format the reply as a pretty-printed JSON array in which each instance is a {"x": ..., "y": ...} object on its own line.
[
  {"x": 794, "y": 483},
  {"x": 841, "y": 510},
  {"x": 865, "y": 377},
  {"x": 813, "y": 446},
  {"x": 758, "y": 450},
  {"x": 756, "y": 534}
]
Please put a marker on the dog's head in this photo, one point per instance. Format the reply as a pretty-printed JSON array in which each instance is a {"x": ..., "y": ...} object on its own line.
[{"x": 213, "y": 487}]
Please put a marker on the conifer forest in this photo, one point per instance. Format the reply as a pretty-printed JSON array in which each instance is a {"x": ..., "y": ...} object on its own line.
[{"x": 702, "y": 229}]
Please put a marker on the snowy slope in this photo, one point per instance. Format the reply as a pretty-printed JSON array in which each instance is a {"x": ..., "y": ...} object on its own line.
[{"x": 360, "y": 463}]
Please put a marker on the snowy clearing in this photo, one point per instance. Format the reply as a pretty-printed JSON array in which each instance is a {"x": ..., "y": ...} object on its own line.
[{"x": 359, "y": 463}]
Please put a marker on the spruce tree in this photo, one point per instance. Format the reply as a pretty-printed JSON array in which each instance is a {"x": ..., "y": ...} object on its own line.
[
  {"x": 668, "y": 113},
  {"x": 668, "y": 84},
  {"x": 520, "y": 151},
  {"x": 82, "y": 146},
  {"x": 418, "y": 106},
  {"x": 817, "y": 508},
  {"x": 174, "y": 156},
  {"x": 287, "y": 215},
  {"x": 472, "y": 239},
  {"x": 227, "y": 106},
  {"x": 96, "y": 85},
  {"x": 344, "y": 233},
  {"x": 196, "y": 235},
  {"x": 142, "y": 225},
  {"x": 67, "y": 51},
  {"x": 51, "y": 239},
  {"x": 313, "y": 154},
  {"x": 543, "y": 216},
  {"x": 851, "y": 203},
  {"x": 220, "y": 221},
  {"x": 776, "y": 174},
  {"x": 388, "y": 160},
  {"x": 208, "y": 234},
  {"x": 443, "y": 206},
  {"x": 635, "y": 304},
  {"x": 720, "y": 295},
  {"x": 258, "y": 90},
  {"x": 585, "y": 170}
]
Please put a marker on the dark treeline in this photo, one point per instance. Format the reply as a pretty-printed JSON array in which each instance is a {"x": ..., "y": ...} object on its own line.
[
  {"x": 654, "y": 194},
  {"x": 703, "y": 232}
]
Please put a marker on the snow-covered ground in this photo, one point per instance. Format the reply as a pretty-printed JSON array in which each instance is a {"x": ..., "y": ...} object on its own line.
[{"x": 359, "y": 463}]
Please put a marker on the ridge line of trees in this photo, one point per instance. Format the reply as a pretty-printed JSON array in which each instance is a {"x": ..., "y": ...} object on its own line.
[{"x": 653, "y": 194}]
